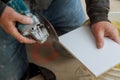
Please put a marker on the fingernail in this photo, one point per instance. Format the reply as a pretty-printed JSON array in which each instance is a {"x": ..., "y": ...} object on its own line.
[
  {"x": 119, "y": 42},
  {"x": 100, "y": 45},
  {"x": 30, "y": 20},
  {"x": 33, "y": 41}
]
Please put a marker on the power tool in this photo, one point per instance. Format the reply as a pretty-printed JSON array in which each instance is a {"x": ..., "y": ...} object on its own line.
[{"x": 41, "y": 30}]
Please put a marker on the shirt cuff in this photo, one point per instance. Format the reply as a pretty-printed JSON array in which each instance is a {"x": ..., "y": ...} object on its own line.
[
  {"x": 99, "y": 17},
  {"x": 2, "y": 7}
]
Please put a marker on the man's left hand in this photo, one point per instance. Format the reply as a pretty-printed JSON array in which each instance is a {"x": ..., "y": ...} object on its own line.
[{"x": 104, "y": 29}]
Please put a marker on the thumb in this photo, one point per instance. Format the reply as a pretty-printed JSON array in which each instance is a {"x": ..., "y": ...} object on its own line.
[
  {"x": 99, "y": 39},
  {"x": 24, "y": 19}
]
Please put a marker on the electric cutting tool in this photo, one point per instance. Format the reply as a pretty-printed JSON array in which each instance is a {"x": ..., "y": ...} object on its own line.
[{"x": 41, "y": 29}]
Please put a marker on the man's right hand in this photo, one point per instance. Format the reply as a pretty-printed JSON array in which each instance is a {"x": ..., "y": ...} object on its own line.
[{"x": 8, "y": 21}]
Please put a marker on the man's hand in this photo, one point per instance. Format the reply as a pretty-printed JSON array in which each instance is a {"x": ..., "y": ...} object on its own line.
[
  {"x": 104, "y": 29},
  {"x": 8, "y": 21}
]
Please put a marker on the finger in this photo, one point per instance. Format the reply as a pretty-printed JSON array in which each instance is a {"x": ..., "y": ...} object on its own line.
[
  {"x": 99, "y": 39},
  {"x": 21, "y": 38},
  {"x": 23, "y": 19},
  {"x": 115, "y": 37},
  {"x": 14, "y": 32},
  {"x": 117, "y": 40}
]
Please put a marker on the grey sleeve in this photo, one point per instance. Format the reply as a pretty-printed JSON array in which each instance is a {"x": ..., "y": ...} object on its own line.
[
  {"x": 2, "y": 7},
  {"x": 97, "y": 10}
]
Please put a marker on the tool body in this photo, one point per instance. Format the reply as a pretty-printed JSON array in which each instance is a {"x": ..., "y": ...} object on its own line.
[{"x": 39, "y": 30}]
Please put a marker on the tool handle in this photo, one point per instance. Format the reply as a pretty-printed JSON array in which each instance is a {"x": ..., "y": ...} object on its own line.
[{"x": 20, "y": 7}]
